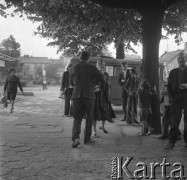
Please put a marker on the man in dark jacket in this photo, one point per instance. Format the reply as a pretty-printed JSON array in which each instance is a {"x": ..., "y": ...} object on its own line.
[
  {"x": 124, "y": 93},
  {"x": 177, "y": 91},
  {"x": 83, "y": 77},
  {"x": 67, "y": 90}
]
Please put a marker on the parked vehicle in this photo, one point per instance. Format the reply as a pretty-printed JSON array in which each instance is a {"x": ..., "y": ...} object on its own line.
[{"x": 113, "y": 67}]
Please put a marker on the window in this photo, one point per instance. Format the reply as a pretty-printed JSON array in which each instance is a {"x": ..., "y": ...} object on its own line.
[{"x": 110, "y": 70}]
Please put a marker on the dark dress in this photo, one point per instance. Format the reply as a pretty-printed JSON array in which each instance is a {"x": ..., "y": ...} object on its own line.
[
  {"x": 103, "y": 109},
  {"x": 11, "y": 85}
]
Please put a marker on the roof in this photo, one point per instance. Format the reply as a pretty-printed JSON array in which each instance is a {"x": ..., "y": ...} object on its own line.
[
  {"x": 109, "y": 61},
  {"x": 169, "y": 56},
  {"x": 40, "y": 60},
  {"x": 4, "y": 57}
]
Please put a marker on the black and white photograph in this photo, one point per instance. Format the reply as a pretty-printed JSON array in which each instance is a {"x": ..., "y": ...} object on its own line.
[{"x": 93, "y": 89}]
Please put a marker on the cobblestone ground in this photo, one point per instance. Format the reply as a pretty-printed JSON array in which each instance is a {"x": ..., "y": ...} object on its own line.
[{"x": 36, "y": 144}]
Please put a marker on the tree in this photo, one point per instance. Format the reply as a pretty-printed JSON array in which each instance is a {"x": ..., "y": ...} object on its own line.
[
  {"x": 155, "y": 14},
  {"x": 76, "y": 25},
  {"x": 11, "y": 48},
  {"x": 82, "y": 24}
]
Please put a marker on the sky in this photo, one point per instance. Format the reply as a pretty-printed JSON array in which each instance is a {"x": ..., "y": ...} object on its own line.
[{"x": 34, "y": 45}]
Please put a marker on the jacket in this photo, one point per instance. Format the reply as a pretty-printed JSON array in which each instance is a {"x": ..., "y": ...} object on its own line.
[
  {"x": 83, "y": 78},
  {"x": 173, "y": 89}
]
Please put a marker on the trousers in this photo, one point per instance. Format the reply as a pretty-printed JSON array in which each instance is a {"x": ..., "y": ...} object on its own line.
[
  {"x": 177, "y": 108},
  {"x": 80, "y": 107}
]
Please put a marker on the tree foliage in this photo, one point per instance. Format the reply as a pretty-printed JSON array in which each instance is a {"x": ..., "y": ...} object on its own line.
[
  {"x": 10, "y": 47},
  {"x": 76, "y": 25}
]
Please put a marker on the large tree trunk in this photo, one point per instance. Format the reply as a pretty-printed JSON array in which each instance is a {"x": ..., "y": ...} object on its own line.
[
  {"x": 120, "y": 51},
  {"x": 152, "y": 26}
]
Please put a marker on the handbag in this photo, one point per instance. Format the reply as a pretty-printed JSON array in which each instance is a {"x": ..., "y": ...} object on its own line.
[{"x": 5, "y": 101}]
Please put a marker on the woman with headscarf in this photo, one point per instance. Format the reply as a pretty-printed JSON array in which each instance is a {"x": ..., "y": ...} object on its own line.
[
  {"x": 103, "y": 110},
  {"x": 10, "y": 88}
]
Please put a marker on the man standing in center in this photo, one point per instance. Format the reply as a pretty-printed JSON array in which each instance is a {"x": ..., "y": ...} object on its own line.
[
  {"x": 123, "y": 76},
  {"x": 83, "y": 77}
]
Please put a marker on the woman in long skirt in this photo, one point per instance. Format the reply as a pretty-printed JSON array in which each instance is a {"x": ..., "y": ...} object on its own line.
[{"x": 103, "y": 110}]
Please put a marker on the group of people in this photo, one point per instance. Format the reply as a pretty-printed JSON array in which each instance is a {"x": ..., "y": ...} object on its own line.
[
  {"x": 89, "y": 88},
  {"x": 136, "y": 94}
]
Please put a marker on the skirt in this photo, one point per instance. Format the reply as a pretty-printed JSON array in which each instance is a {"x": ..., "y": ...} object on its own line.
[
  {"x": 103, "y": 109},
  {"x": 11, "y": 96}
]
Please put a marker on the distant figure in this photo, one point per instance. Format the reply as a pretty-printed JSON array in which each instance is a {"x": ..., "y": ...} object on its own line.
[
  {"x": 44, "y": 84},
  {"x": 67, "y": 90},
  {"x": 83, "y": 77},
  {"x": 10, "y": 87}
]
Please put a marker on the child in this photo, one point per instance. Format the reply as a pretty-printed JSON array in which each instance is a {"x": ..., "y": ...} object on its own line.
[
  {"x": 166, "y": 114},
  {"x": 144, "y": 97}
]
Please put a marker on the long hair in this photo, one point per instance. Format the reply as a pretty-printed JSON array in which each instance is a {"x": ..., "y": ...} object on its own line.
[
  {"x": 145, "y": 85},
  {"x": 101, "y": 65}
]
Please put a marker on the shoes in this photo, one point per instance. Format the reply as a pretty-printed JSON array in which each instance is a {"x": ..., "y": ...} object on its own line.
[
  {"x": 150, "y": 132},
  {"x": 142, "y": 134},
  {"x": 135, "y": 124},
  {"x": 104, "y": 130},
  {"x": 76, "y": 143},
  {"x": 110, "y": 121},
  {"x": 170, "y": 146},
  {"x": 123, "y": 120},
  {"x": 95, "y": 135},
  {"x": 162, "y": 137},
  {"x": 68, "y": 115}
]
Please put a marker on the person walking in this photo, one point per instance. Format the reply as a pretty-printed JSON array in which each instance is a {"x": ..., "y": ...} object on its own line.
[
  {"x": 123, "y": 76},
  {"x": 66, "y": 89},
  {"x": 103, "y": 110},
  {"x": 10, "y": 87},
  {"x": 177, "y": 91},
  {"x": 83, "y": 77},
  {"x": 44, "y": 84}
]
